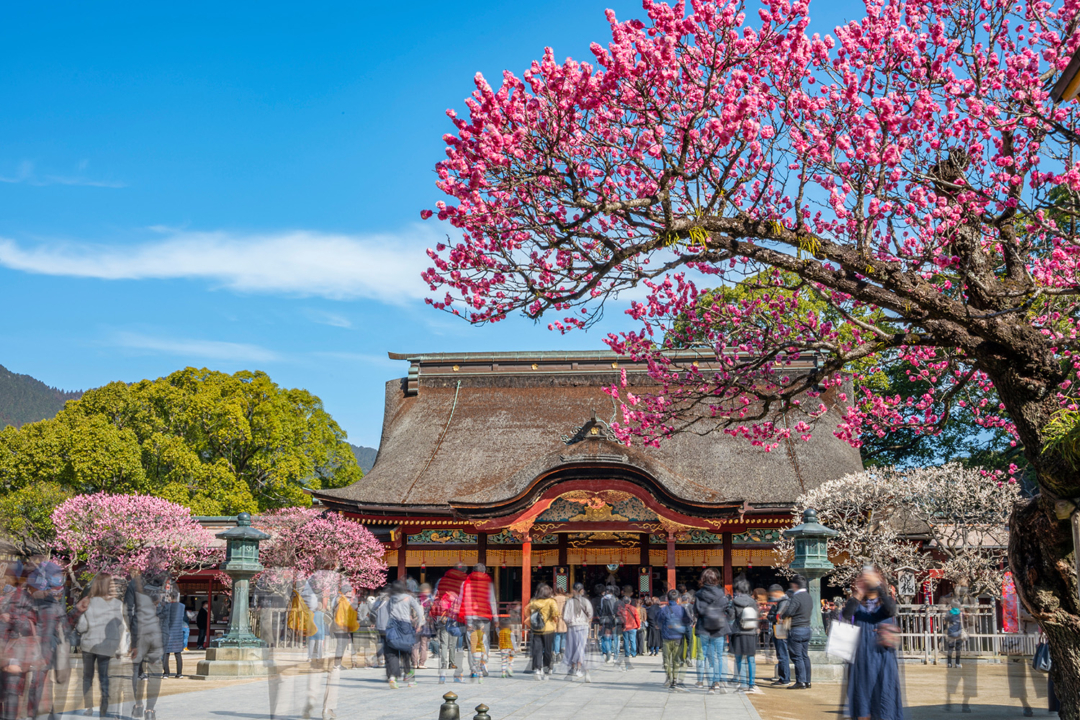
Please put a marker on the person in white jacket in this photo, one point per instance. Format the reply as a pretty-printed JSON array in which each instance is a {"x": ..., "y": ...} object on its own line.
[{"x": 102, "y": 632}]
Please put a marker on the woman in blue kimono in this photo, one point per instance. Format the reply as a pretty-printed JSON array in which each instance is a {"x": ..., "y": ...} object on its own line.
[{"x": 873, "y": 677}]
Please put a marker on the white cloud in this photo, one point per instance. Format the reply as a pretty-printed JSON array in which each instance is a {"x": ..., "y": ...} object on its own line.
[
  {"x": 328, "y": 318},
  {"x": 196, "y": 349},
  {"x": 384, "y": 267},
  {"x": 27, "y": 173}
]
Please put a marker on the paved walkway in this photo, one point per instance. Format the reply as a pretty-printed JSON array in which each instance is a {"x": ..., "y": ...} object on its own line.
[{"x": 364, "y": 695}]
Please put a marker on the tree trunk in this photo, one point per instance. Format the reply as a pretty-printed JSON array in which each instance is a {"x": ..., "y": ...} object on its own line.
[
  {"x": 1041, "y": 553},
  {"x": 1041, "y": 560}
]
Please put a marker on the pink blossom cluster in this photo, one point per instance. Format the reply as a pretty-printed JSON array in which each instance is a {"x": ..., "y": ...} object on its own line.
[
  {"x": 123, "y": 534},
  {"x": 306, "y": 540},
  {"x": 902, "y": 177}
]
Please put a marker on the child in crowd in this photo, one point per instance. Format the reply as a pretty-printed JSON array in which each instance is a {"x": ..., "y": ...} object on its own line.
[
  {"x": 506, "y": 647},
  {"x": 475, "y": 639}
]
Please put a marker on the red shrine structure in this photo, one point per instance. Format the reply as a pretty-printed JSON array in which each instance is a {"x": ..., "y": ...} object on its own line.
[{"x": 508, "y": 459}]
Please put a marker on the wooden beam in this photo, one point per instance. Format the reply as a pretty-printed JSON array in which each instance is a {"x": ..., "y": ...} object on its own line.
[
  {"x": 563, "y": 546},
  {"x": 481, "y": 548},
  {"x": 402, "y": 571},
  {"x": 643, "y": 557}
]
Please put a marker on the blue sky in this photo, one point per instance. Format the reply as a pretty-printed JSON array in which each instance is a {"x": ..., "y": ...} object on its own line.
[{"x": 238, "y": 186}]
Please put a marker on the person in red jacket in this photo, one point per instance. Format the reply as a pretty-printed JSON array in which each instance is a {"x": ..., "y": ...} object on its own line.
[{"x": 477, "y": 610}]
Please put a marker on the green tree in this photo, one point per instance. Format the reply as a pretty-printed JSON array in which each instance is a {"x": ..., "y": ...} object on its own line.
[
  {"x": 216, "y": 443},
  {"x": 26, "y": 516}
]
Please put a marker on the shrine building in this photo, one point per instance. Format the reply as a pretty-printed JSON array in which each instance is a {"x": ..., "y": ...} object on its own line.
[{"x": 508, "y": 459}]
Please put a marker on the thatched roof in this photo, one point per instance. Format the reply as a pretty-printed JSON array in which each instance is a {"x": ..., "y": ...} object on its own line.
[{"x": 479, "y": 429}]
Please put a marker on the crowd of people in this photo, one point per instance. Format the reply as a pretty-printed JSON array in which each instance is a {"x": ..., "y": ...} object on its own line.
[
  {"x": 706, "y": 632},
  {"x": 137, "y": 617}
]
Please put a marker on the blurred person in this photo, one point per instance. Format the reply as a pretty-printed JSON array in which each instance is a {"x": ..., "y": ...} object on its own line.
[
  {"x": 102, "y": 637},
  {"x": 345, "y": 624},
  {"x": 515, "y": 625},
  {"x": 322, "y": 593},
  {"x": 655, "y": 639},
  {"x": 559, "y": 646},
  {"x": 673, "y": 620},
  {"x": 955, "y": 635},
  {"x": 506, "y": 647},
  {"x": 873, "y": 681},
  {"x": 744, "y": 635},
  {"x": 631, "y": 622},
  {"x": 543, "y": 616},
  {"x": 836, "y": 606},
  {"x": 443, "y": 614},
  {"x": 799, "y": 610},
  {"x": 714, "y": 613},
  {"x": 202, "y": 624},
  {"x": 478, "y": 609},
  {"x": 761, "y": 597},
  {"x": 404, "y": 617},
  {"x": 782, "y": 672},
  {"x": 171, "y": 617},
  {"x": 379, "y": 619},
  {"x": 643, "y": 630},
  {"x": 34, "y": 627},
  {"x": 578, "y": 613},
  {"x": 141, "y": 600},
  {"x": 608, "y": 611},
  {"x": 690, "y": 645},
  {"x": 420, "y": 650}
]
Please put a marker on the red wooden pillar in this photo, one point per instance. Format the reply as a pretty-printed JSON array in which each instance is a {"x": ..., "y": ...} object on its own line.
[
  {"x": 564, "y": 549},
  {"x": 671, "y": 562},
  {"x": 728, "y": 579},
  {"x": 402, "y": 571},
  {"x": 643, "y": 554},
  {"x": 526, "y": 578}
]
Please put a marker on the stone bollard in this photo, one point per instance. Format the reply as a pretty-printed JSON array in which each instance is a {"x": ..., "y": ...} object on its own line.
[
  {"x": 449, "y": 709},
  {"x": 482, "y": 712}
]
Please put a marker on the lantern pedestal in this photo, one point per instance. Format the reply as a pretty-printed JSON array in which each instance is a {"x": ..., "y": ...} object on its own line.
[
  {"x": 235, "y": 662},
  {"x": 238, "y": 653},
  {"x": 826, "y": 669}
]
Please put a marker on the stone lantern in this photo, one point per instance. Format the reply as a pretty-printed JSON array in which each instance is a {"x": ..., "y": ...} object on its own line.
[
  {"x": 812, "y": 562},
  {"x": 238, "y": 651}
]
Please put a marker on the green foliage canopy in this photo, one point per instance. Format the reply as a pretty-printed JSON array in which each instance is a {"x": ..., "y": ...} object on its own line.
[{"x": 216, "y": 443}]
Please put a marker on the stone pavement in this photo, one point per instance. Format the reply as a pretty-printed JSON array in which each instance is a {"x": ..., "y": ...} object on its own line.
[{"x": 364, "y": 695}]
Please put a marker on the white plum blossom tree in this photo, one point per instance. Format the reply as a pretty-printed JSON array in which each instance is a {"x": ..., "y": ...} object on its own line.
[{"x": 949, "y": 518}]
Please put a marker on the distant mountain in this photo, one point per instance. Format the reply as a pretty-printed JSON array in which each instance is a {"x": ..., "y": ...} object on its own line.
[
  {"x": 24, "y": 399},
  {"x": 365, "y": 456}
]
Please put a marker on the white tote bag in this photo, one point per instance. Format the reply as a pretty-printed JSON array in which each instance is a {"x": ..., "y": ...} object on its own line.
[{"x": 843, "y": 641}]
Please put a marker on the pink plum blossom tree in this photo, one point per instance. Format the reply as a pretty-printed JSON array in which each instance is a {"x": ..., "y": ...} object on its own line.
[
  {"x": 909, "y": 171},
  {"x": 305, "y": 540},
  {"x": 120, "y": 534}
]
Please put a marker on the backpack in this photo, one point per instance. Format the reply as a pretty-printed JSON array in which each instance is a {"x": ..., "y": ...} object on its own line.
[
  {"x": 536, "y": 621},
  {"x": 400, "y": 634},
  {"x": 955, "y": 630},
  {"x": 673, "y": 618},
  {"x": 713, "y": 617},
  {"x": 444, "y": 606},
  {"x": 748, "y": 618},
  {"x": 607, "y": 611},
  {"x": 345, "y": 617}
]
